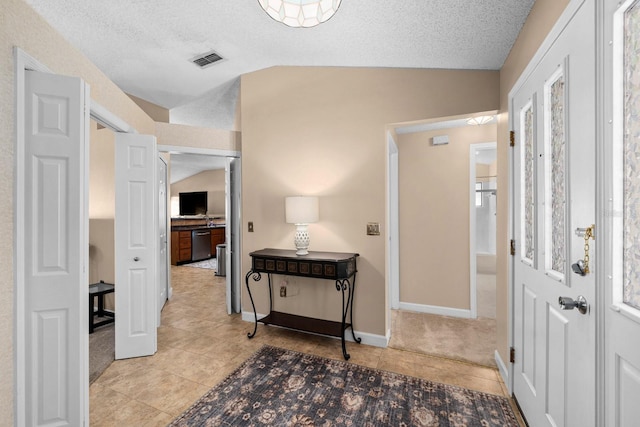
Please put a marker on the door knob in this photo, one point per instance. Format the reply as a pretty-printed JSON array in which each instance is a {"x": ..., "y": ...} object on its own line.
[
  {"x": 567, "y": 303},
  {"x": 136, "y": 259}
]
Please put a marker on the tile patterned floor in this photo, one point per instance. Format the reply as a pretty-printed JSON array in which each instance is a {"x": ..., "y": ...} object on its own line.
[{"x": 199, "y": 345}]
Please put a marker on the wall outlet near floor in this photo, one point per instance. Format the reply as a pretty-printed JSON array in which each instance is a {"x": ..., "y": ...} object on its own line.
[{"x": 283, "y": 291}]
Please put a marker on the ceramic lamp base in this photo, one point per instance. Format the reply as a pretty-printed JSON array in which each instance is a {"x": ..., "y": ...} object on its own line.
[{"x": 301, "y": 239}]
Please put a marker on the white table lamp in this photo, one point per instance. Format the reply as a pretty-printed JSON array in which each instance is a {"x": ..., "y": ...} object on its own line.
[{"x": 301, "y": 211}]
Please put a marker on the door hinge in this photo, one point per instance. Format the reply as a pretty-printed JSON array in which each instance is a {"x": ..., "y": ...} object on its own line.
[
  {"x": 512, "y": 355},
  {"x": 512, "y": 138},
  {"x": 512, "y": 249}
]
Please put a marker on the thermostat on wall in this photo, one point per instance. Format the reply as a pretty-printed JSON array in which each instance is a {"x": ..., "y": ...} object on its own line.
[{"x": 441, "y": 140}]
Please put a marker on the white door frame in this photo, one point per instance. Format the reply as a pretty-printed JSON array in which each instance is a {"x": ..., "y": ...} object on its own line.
[
  {"x": 392, "y": 230},
  {"x": 234, "y": 260},
  {"x": 23, "y": 63},
  {"x": 473, "y": 283}
]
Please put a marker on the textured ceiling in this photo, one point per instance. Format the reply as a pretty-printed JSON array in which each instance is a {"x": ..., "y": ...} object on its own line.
[{"x": 145, "y": 46}]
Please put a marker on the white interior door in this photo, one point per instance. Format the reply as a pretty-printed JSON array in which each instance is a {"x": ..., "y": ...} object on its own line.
[
  {"x": 553, "y": 116},
  {"x": 622, "y": 198},
  {"x": 163, "y": 264},
  {"x": 53, "y": 177},
  {"x": 136, "y": 246}
]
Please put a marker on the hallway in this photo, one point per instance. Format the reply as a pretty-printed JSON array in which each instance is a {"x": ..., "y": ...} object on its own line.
[{"x": 199, "y": 345}]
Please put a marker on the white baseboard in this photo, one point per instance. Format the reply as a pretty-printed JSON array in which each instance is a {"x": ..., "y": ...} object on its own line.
[
  {"x": 367, "y": 338},
  {"x": 502, "y": 368},
  {"x": 435, "y": 309}
]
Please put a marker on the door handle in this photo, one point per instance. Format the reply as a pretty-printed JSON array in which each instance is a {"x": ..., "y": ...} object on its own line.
[
  {"x": 567, "y": 303},
  {"x": 136, "y": 259}
]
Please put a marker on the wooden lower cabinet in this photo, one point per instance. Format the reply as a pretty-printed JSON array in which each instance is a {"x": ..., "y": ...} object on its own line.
[
  {"x": 181, "y": 244},
  {"x": 217, "y": 238}
]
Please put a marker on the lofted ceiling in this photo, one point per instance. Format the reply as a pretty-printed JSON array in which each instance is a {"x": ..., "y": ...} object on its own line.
[{"x": 145, "y": 46}]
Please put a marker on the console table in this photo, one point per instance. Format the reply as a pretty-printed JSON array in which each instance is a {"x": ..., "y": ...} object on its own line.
[
  {"x": 337, "y": 266},
  {"x": 99, "y": 290}
]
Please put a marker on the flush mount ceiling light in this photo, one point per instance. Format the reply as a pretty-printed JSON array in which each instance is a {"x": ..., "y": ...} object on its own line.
[
  {"x": 480, "y": 120},
  {"x": 300, "y": 13}
]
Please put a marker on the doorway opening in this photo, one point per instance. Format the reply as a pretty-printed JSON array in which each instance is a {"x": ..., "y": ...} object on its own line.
[{"x": 482, "y": 226}]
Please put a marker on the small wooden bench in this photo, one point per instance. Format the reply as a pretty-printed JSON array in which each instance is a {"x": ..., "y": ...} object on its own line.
[{"x": 100, "y": 290}]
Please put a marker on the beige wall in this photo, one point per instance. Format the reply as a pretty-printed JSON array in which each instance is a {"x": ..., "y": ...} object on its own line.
[
  {"x": 156, "y": 112},
  {"x": 434, "y": 215},
  {"x": 543, "y": 16},
  {"x": 321, "y": 131},
  {"x": 102, "y": 208},
  {"x": 196, "y": 137},
  {"x": 210, "y": 181}
]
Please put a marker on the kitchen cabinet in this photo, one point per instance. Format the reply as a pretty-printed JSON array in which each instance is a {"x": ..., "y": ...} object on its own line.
[
  {"x": 180, "y": 246},
  {"x": 217, "y": 238}
]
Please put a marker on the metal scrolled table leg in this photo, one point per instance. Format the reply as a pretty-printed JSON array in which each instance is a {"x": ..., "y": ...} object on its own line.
[{"x": 256, "y": 277}]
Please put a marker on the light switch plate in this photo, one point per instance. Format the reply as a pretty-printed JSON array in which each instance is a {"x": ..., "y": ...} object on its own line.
[
  {"x": 250, "y": 225},
  {"x": 373, "y": 229}
]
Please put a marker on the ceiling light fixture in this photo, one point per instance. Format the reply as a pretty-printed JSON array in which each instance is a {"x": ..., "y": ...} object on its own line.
[
  {"x": 300, "y": 13},
  {"x": 480, "y": 120}
]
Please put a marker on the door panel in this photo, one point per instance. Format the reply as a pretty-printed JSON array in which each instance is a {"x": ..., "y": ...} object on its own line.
[
  {"x": 163, "y": 263},
  {"x": 553, "y": 116},
  {"x": 622, "y": 197},
  {"x": 55, "y": 250},
  {"x": 136, "y": 236}
]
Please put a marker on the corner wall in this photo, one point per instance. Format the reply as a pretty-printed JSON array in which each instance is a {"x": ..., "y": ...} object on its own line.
[{"x": 321, "y": 131}]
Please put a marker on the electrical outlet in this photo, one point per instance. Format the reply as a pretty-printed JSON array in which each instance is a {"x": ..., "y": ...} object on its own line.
[
  {"x": 283, "y": 291},
  {"x": 250, "y": 226}
]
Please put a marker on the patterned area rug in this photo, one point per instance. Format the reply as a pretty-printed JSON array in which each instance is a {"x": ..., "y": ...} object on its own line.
[{"x": 282, "y": 387}]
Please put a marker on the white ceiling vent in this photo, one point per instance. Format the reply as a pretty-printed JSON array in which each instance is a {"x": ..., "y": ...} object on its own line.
[{"x": 206, "y": 59}]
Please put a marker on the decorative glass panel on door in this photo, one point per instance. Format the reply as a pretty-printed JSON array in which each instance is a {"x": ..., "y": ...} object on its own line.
[
  {"x": 555, "y": 179},
  {"x": 631, "y": 152},
  {"x": 527, "y": 184}
]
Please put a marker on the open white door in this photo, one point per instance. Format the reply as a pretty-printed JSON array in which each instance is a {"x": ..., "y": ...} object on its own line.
[
  {"x": 52, "y": 234},
  {"x": 553, "y": 117},
  {"x": 232, "y": 213},
  {"x": 136, "y": 245},
  {"x": 163, "y": 260},
  {"x": 621, "y": 199}
]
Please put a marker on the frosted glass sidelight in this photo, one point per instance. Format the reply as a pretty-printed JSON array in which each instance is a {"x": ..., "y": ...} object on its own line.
[
  {"x": 631, "y": 222},
  {"x": 528, "y": 182},
  {"x": 556, "y": 174}
]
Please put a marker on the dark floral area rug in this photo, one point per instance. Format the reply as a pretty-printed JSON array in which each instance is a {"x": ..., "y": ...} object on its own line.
[{"x": 285, "y": 388}]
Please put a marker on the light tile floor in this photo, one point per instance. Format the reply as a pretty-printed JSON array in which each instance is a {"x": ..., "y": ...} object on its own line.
[{"x": 199, "y": 345}]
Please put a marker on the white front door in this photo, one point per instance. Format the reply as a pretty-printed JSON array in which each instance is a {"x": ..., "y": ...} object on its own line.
[
  {"x": 53, "y": 252},
  {"x": 136, "y": 245},
  {"x": 621, "y": 199},
  {"x": 553, "y": 117},
  {"x": 163, "y": 265}
]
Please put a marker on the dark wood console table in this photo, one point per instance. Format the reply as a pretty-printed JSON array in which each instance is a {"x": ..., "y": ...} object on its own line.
[
  {"x": 99, "y": 290},
  {"x": 337, "y": 266}
]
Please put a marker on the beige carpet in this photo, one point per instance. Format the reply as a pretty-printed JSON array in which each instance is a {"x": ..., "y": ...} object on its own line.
[
  {"x": 470, "y": 340},
  {"x": 102, "y": 350}
]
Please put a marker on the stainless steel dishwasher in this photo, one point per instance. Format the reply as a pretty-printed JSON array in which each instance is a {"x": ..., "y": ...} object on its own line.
[{"x": 200, "y": 244}]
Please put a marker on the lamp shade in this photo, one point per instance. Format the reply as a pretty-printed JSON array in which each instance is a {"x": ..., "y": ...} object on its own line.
[{"x": 301, "y": 209}]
